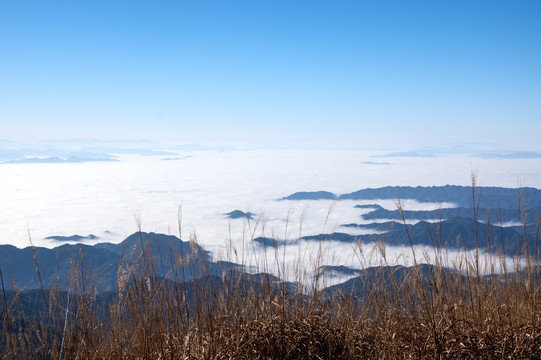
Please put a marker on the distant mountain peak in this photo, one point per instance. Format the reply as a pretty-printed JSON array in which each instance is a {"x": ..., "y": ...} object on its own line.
[
  {"x": 238, "y": 214},
  {"x": 311, "y": 195}
]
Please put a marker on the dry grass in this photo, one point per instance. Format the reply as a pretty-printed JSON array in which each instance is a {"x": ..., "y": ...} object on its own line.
[{"x": 392, "y": 313}]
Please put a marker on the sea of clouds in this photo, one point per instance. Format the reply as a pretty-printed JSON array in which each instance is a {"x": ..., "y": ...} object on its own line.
[{"x": 111, "y": 200}]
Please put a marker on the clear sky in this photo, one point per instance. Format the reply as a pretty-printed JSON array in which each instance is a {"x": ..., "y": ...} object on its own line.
[{"x": 354, "y": 73}]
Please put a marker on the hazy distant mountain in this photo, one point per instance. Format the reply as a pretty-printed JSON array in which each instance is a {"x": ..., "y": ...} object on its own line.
[
  {"x": 197, "y": 147},
  {"x": 177, "y": 158},
  {"x": 72, "y": 238},
  {"x": 37, "y": 152},
  {"x": 474, "y": 150},
  {"x": 375, "y": 163},
  {"x": 512, "y": 155},
  {"x": 76, "y": 151},
  {"x": 57, "y": 160},
  {"x": 131, "y": 151},
  {"x": 310, "y": 195}
]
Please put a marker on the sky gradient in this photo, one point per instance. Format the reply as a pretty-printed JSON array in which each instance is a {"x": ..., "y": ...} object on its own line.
[{"x": 248, "y": 73}]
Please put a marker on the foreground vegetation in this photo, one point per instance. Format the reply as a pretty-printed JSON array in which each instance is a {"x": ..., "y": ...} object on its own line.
[{"x": 450, "y": 309}]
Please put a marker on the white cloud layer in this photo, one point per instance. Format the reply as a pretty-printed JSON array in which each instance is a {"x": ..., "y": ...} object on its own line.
[{"x": 103, "y": 198}]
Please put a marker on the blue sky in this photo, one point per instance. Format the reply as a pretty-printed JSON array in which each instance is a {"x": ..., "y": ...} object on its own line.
[{"x": 348, "y": 73}]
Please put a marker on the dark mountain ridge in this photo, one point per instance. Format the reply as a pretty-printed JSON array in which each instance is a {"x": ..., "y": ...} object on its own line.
[
  {"x": 482, "y": 214},
  {"x": 454, "y": 233},
  {"x": 461, "y": 196},
  {"x": 102, "y": 263}
]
